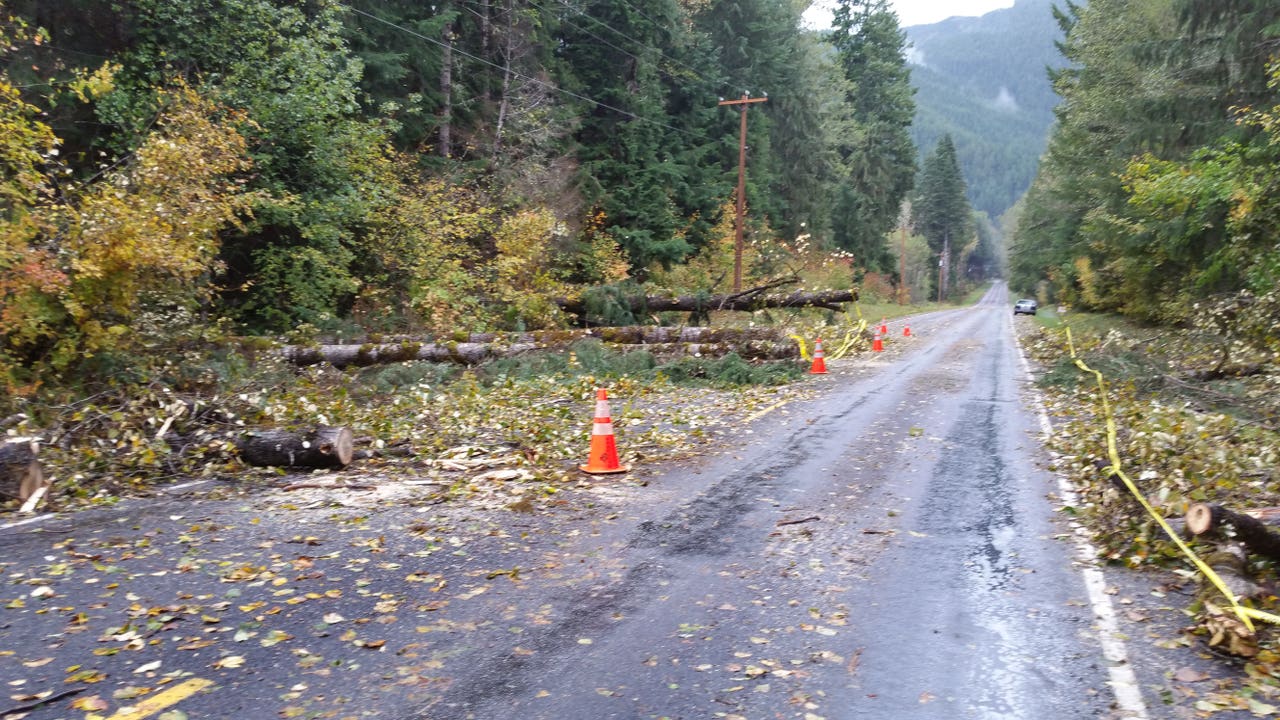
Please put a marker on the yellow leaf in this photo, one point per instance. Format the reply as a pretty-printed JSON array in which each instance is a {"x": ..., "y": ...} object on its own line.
[
  {"x": 89, "y": 704},
  {"x": 229, "y": 662}
]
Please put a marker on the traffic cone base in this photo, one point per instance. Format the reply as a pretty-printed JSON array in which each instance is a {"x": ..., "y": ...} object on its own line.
[
  {"x": 819, "y": 366},
  {"x": 603, "y": 458}
]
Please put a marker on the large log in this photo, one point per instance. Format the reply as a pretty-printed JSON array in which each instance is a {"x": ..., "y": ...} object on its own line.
[
  {"x": 750, "y": 343},
  {"x": 323, "y": 447},
  {"x": 1205, "y": 519},
  {"x": 20, "y": 472},
  {"x": 746, "y": 300},
  {"x": 627, "y": 335},
  {"x": 379, "y": 354}
]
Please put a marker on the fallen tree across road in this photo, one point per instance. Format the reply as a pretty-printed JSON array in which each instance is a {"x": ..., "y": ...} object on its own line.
[
  {"x": 750, "y": 344},
  {"x": 746, "y": 300}
]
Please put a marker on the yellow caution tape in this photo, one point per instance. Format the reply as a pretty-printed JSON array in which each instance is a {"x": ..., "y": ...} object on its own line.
[
  {"x": 804, "y": 352},
  {"x": 844, "y": 346},
  {"x": 1113, "y": 453},
  {"x": 849, "y": 339}
]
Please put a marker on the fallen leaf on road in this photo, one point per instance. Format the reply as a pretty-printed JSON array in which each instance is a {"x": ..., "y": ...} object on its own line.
[
  {"x": 1187, "y": 674},
  {"x": 129, "y": 692},
  {"x": 852, "y": 667},
  {"x": 90, "y": 704}
]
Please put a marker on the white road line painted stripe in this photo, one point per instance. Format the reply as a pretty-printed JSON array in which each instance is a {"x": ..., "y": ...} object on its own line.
[
  {"x": 49, "y": 516},
  {"x": 183, "y": 486},
  {"x": 1124, "y": 683},
  {"x": 28, "y": 521}
]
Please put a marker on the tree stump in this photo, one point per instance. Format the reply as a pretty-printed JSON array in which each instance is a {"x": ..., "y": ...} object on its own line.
[
  {"x": 20, "y": 473},
  {"x": 322, "y": 447}
]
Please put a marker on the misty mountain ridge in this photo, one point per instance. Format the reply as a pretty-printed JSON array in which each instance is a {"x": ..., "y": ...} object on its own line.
[{"x": 984, "y": 81}]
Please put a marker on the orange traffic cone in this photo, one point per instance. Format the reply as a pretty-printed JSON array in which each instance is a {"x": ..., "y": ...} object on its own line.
[
  {"x": 906, "y": 331},
  {"x": 604, "y": 451},
  {"x": 884, "y": 326},
  {"x": 819, "y": 366},
  {"x": 878, "y": 344}
]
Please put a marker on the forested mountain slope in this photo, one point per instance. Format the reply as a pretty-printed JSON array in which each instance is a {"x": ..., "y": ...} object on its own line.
[
  {"x": 386, "y": 165},
  {"x": 983, "y": 81},
  {"x": 1156, "y": 196}
]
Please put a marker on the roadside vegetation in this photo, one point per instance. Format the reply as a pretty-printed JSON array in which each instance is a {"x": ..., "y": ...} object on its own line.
[
  {"x": 178, "y": 417},
  {"x": 1187, "y": 434},
  {"x": 1153, "y": 217}
]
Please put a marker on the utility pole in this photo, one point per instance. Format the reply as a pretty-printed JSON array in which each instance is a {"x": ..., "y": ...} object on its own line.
[{"x": 745, "y": 102}]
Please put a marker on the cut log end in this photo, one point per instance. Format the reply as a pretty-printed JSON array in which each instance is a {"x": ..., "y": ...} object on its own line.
[
  {"x": 1200, "y": 519},
  {"x": 20, "y": 472},
  {"x": 1205, "y": 518},
  {"x": 323, "y": 447}
]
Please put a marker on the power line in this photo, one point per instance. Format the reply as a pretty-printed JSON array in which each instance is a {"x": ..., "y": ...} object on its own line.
[
  {"x": 597, "y": 37},
  {"x": 641, "y": 44},
  {"x": 526, "y": 78},
  {"x": 623, "y": 35},
  {"x": 643, "y": 14}
]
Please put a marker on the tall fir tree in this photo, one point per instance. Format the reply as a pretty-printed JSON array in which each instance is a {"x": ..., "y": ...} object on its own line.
[
  {"x": 941, "y": 210},
  {"x": 877, "y": 153}
]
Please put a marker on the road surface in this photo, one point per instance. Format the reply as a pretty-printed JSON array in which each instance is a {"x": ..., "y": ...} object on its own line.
[{"x": 887, "y": 549}]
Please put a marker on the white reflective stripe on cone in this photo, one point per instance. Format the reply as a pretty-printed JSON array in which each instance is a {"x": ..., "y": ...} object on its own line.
[
  {"x": 602, "y": 428},
  {"x": 602, "y": 408}
]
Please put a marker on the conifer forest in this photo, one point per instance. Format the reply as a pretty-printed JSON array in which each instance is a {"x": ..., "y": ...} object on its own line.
[
  {"x": 261, "y": 166},
  {"x": 917, "y": 340}
]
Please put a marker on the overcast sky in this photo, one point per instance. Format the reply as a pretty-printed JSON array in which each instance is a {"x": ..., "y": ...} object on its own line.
[
  {"x": 915, "y": 12},
  {"x": 924, "y": 12}
]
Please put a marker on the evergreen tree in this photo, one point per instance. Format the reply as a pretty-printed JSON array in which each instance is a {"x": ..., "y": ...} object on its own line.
[
  {"x": 941, "y": 210},
  {"x": 877, "y": 153},
  {"x": 761, "y": 48},
  {"x": 627, "y": 146}
]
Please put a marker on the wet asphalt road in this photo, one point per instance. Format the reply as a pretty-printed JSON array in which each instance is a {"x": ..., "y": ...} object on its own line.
[
  {"x": 927, "y": 581},
  {"x": 886, "y": 550}
]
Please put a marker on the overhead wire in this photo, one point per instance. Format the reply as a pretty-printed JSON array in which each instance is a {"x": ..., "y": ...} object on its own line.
[
  {"x": 535, "y": 81},
  {"x": 628, "y": 38},
  {"x": 640, "y": 43},
  {"x": 624, "y": 51}
]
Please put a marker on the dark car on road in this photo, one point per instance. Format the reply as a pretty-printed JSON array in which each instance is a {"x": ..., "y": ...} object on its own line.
[{"x": 1027, "y": 307}]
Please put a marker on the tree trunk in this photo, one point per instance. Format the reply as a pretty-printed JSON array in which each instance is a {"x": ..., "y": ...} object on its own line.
[
  {"x": 486, "y": 32},
  {"x": 745, "y": 300},
  {"x": 628, "y": 335},
  {"x": 1204, "y": 519},
  {"x": 505, "y": 99},
  {"x": 475, "y": 348},
  {"x": 323, "y": 447},
  {"x": 20, "y": 472},
  {"x": 369, "y": 354},
  {"x": 446, "y": 92}
]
